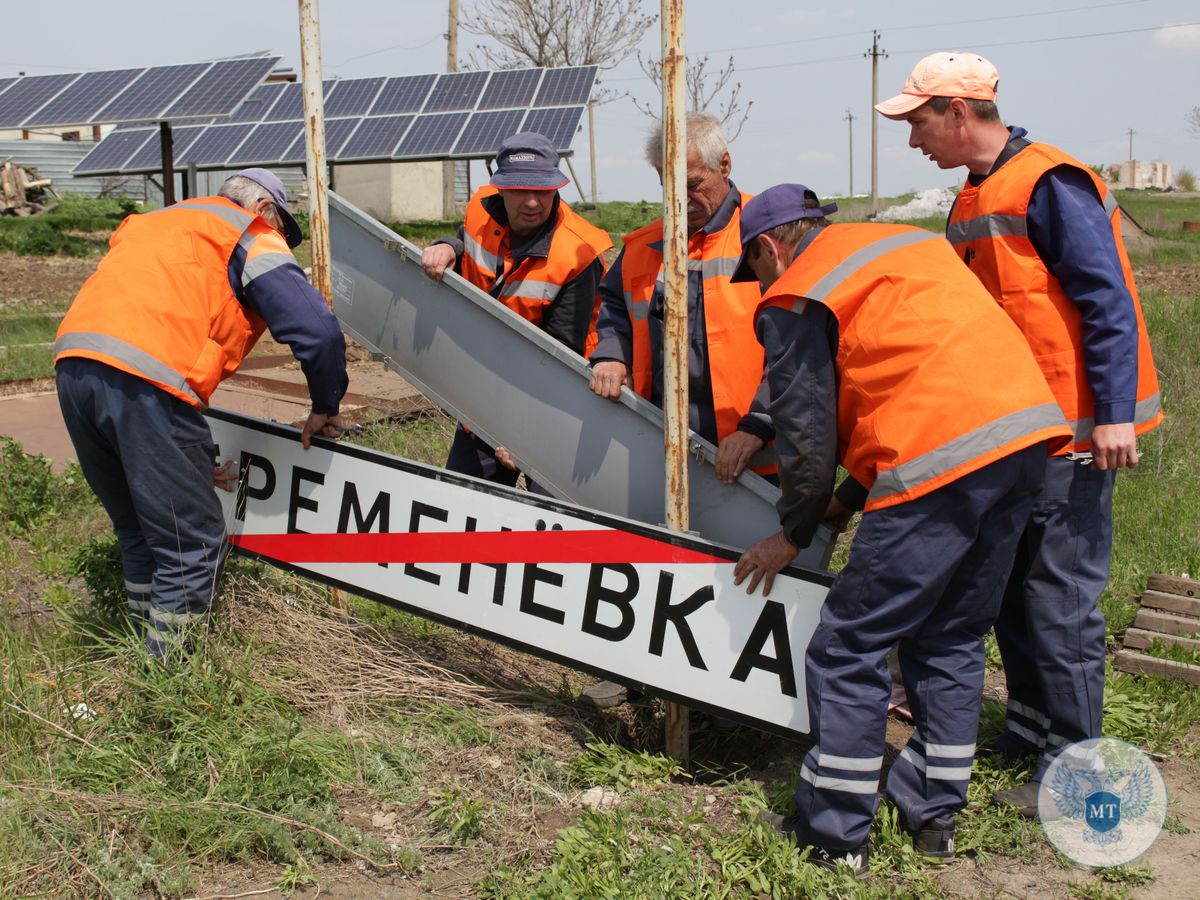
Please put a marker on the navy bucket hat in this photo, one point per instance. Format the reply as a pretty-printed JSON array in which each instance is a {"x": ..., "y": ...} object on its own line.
[{"x": 528, "y": 161}]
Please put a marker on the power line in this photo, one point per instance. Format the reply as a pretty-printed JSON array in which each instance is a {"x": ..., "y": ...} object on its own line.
[
  {"x": 1065, "y": 37},
  {"x": 830, "y": 37}
]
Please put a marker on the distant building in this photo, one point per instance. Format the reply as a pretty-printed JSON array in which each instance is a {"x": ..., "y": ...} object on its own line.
[{"x": 1141, "y": 175}]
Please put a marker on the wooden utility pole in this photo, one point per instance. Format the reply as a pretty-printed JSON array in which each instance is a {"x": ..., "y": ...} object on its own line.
[
  {"x": 592, "y": 148},
  {"x": 875, "y": 53},
  {"x": 850, "y": 122},
  {"x": 675, "y": 355},
  {"x": 1132, "y": 164},
  {"x": 449, "y": 208},
  {"x": 316, "y": 170}
]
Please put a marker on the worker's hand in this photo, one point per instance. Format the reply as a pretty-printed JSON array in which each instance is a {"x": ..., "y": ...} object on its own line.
[
  {"x": 838, "y": 514},
  {"x": 323, "y": 425},
  {"x": 608, "y": 376},
  {"x": 733, "y": 453},
  {"x": 225, "y": 476},
  {"x": 763, "y": 561},
  {"x": 1114, "y": 446},
  {"x": 436, "y": 259},
  {"x": 506, "y": 459}
]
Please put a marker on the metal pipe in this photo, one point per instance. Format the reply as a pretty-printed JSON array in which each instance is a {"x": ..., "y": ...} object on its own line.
[
  {"x": 167, "y": 144},
  {"x": 314, "y": 131},
  {"x": 316, "y": 173},
  {"x": 675, "y": 249}
]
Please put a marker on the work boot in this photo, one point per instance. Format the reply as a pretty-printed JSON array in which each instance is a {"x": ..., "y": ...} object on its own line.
[
  {"x": 608, "y": 694},
  {"x": 857, "y": 860},
  {"x": 935, "y": 839},
  {"x": 1009, "y": 746},
  {"x": 1023, "y": 798}
]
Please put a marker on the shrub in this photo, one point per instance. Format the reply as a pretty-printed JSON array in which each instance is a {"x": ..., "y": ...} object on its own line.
[{"x": 1186, "y": 180}]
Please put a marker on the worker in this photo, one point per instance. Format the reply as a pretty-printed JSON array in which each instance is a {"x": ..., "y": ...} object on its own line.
[
  {"x": 724, "y": 360},
  {"x": 522, "y": 243},
  {"x": 884, "y": 354},
  {"x": 174, "y": 307},
  {"x": 1043, "y": 234}
]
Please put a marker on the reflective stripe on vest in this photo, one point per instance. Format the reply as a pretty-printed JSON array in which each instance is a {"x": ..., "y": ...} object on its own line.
[
  {"x": 136, "y": 359},
  {"x": 988, "y": 228},
  {"x": 918, "y": 405},
  {"x": 238, "y": 218}
]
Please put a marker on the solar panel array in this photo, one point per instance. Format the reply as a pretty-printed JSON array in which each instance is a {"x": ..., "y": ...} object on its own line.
[
  {"x": 192, "y": 91},
  {"x": 456, "y": 115}
]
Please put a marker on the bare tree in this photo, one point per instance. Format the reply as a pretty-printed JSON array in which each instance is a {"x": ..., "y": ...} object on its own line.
[
  {"x": 704, "y": 88},
  {"x": 556, "y": 32},
  {"x": 1193, "y": 120}
]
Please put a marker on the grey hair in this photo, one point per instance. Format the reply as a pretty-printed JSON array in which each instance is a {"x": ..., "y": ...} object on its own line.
[
  {"x": 704, "y": 135},
  {"x": 243, "y": 191}
]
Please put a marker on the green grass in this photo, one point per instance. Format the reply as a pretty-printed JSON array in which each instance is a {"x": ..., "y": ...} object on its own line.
[{"x": 78, "y": 226}]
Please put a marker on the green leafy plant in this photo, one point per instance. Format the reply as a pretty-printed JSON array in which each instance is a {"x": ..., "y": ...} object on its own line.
[
  {"x": 457, "y": 817},
  {"x": 616, "y": 766},
  {"x": 98, "y": 563}
]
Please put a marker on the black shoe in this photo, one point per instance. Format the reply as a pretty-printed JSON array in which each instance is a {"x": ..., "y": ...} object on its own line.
[
  {"x": 1023, "y": 798},
  {"x": 858, "y": 859},
  {"x": 935, "y": 839}
]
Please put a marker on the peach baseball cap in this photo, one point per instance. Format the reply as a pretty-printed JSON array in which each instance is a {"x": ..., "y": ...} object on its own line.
[{"x": 954, "y": 74}]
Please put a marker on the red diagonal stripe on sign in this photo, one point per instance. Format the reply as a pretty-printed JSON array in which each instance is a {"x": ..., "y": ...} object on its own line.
[{"x": 607, "y": 546}]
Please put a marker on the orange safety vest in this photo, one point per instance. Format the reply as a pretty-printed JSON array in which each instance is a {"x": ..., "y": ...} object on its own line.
[
  {"x": 934, "y": 382},
  {"x": 160, "y": 305},
  {"x": 735, "y": 359},
  {"x": 988, "y": 229},
  {"x": 527, "y": 289}
]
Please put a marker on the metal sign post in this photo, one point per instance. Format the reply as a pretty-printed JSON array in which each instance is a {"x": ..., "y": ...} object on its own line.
[
  {"x": 316, "y": 172},
  {"x": 675, "y": 374}
]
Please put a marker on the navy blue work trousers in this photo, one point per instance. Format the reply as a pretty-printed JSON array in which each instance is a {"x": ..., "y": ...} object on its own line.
[
  {"x": 1051, "y": 630},
  {"x": 471, "y": 455},
  {"x": 926, "y": 575},
  {"x": 149, "y": 458}
]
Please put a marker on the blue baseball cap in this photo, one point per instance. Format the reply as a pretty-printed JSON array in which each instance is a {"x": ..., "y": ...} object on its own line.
[
  {"x": 528, "y": 161},
  {"x": 269, "y": 180},
  {"x": 775, "y": 206}
]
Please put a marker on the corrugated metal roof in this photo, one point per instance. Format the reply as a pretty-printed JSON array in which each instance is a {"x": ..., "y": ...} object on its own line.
[{"x": 56, "y": 159}]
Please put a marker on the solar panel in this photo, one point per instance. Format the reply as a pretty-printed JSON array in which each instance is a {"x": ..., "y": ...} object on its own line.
[
  {"x": 512, "y": 88},
  {"x": 149, "y": 157},
  {"x": 111, "y": 153},
  {"x": 5, "y": 82},
  {"x": 291, "y": 104},
  {"x": 566, "y": 87},
  {"x": 486, "y": 130},
  {"x": 456, "y": 90},
  {"x": 558, "y": 125},
  {"x": 147, "y": 97},
  {"x": 403, "y": 95},
  {"x": 266, "y": 143},
  {"x": 255, "y": 107},
  {"x": 336, "y": 132},
  {"x": 219, "y": 90},
  {"x": 353, "y": 97},
  {"x": 28, "y": 95},
  {"x": 215, "y": 145},
  {"x": 79, "y": 102},
  {"x": 376, "y": 138},
  {"x": 431, "y": 136}
]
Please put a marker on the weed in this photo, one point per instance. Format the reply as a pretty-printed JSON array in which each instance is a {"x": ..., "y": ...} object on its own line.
[
  {"x": 615, "y": 766},
  {"x": 98, "y": 563},
  {"x": 295, "y": 876},
  {"x": 457, "y": 817},
  {"x": 1127, "y": 876},
  {"x": 30, "y": 492}
]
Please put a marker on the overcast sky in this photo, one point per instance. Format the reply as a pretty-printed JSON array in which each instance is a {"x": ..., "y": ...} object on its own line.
[{"x": 1079, "y": 76}]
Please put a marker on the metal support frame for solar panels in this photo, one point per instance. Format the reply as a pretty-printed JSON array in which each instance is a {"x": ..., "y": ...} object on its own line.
[{"x": 515, "y": 387}]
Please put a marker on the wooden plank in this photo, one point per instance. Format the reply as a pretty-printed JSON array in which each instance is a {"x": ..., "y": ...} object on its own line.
[
  {"x": 1165, "y": 623},
  {"x": 1171, "y": 584},
  {"x": 1187, "y": 606},
  {"x": 1140, "y": 639},
  {"x": 1141, "y": 664}
]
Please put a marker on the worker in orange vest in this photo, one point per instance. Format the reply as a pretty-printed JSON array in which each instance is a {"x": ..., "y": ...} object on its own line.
[
  {"x": 181, "y": 298},
  {"x": 884, "y": 354},
  {"x": 724, "y": 360},
  {"x": 1043, "y": 234},
  {"x": 521, "y": 243}
]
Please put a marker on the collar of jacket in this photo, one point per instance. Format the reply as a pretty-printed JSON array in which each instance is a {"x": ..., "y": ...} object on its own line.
[
  {"x": 720, "y": 219},
  {"x": 1017, "y": 141},
  {"x": 539, "y": 244}
]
